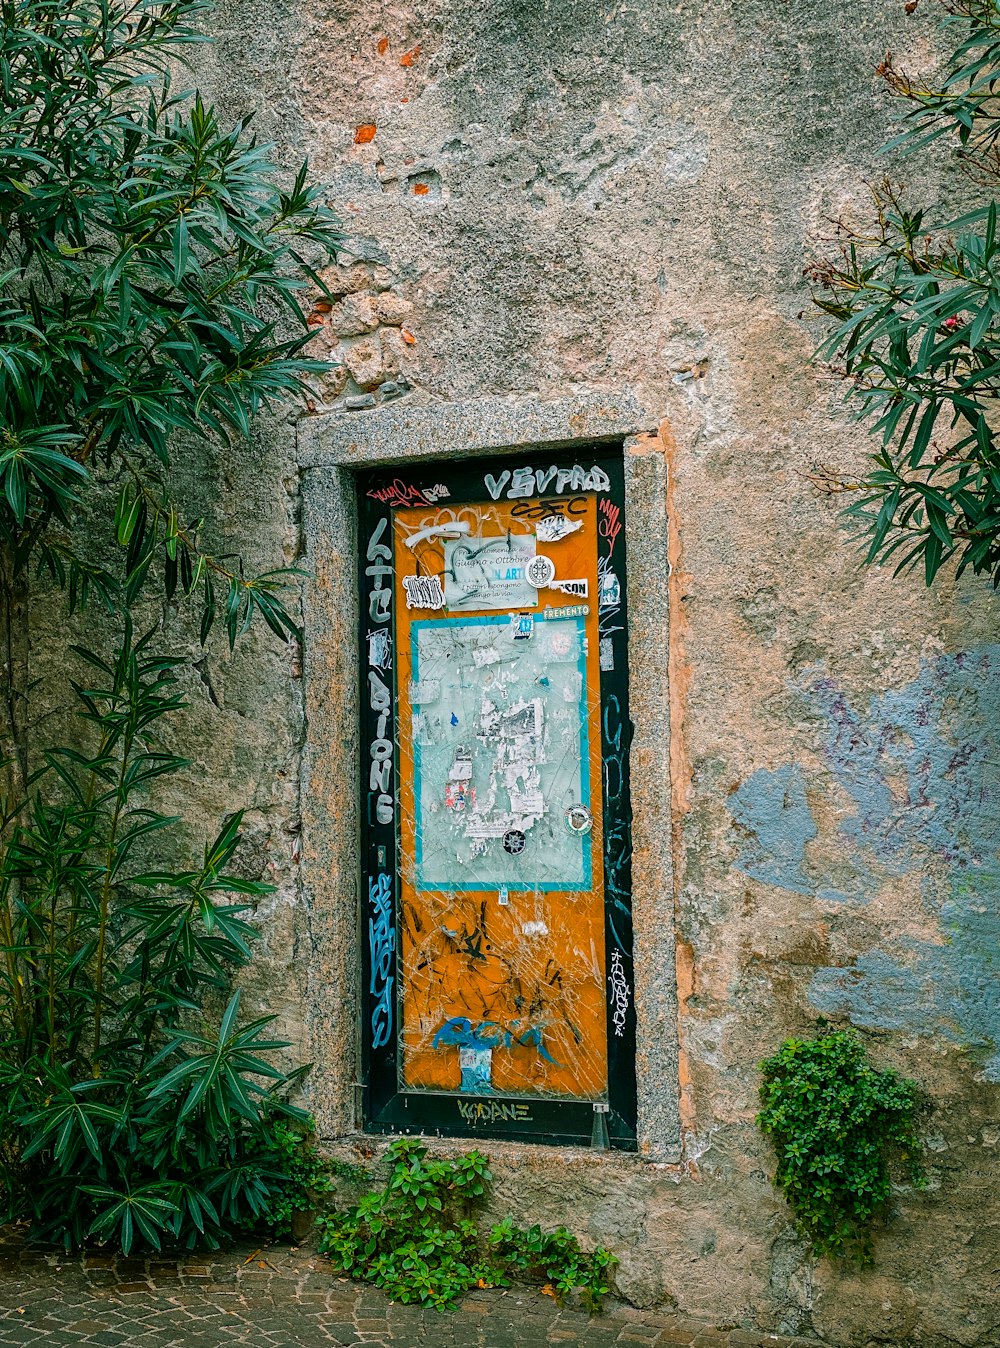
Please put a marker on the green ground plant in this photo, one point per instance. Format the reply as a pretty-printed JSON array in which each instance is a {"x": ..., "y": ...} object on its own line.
[
  {"x": 138, "y": 1107},
  {"x": 835, "y": 1122},
  {"x": 302, "y": 1179},
  {"x": 418, "y": 1237}
]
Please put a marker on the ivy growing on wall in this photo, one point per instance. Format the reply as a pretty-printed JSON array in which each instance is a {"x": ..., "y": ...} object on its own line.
[{"x": 836, "y": 1122}]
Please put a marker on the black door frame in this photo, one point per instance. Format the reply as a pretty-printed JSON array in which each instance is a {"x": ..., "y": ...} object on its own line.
[{"x": 387, "y": 1108}]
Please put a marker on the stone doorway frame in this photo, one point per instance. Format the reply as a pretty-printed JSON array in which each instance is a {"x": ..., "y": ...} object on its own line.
[{"x": 331, "y": 450}]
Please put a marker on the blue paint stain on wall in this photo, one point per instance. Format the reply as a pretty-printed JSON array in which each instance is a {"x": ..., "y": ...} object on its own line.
[
  {"x": 951, "y": 989},
  {"x": 773, "y": 813},
  {"x": 921, "y": 766}
]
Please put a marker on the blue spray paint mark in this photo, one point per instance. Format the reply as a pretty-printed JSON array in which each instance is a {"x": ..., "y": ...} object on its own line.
[
  {"x": 382, "y": 948},
  {"x": 922, "y": 769},
  {"x": 923, "y": 766},
  {"x": 951, "y": 989},
  {"x": 476, "y": 1043}
]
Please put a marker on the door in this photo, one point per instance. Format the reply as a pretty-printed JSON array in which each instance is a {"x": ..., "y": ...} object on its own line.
[{"x": 497, "y": 841}]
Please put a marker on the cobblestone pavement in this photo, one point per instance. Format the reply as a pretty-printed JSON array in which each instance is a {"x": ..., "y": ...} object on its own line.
[{"x": 283, "y": 1296}]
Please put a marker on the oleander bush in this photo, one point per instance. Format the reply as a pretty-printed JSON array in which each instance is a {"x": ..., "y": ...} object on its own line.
[
  {"x": 151, "y": 266},
  {"x": 914, "y": 290},
  {"x": 138, "y": 1107}
]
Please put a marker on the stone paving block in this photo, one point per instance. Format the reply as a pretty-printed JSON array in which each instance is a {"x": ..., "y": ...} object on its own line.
[
  {"x": 130, "y": 1267},
  {"x": 341, "y": 1332},
  {"x": 313, "y": 1281}
]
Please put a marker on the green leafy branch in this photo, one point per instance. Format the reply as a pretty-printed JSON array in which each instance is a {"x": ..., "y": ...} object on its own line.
[
  {"x": 153, "y": 264},
  {"x": 128, "y": 1112},
  {"x": 917, "y": 336}
]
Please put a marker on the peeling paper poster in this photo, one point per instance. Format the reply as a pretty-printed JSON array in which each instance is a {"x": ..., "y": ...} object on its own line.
[
  {"x": 555, "y": 527},
  {"x": 578, "y": 588},
  {"x": 424, "y": 691},
  {"x": 517, "y": 746}
]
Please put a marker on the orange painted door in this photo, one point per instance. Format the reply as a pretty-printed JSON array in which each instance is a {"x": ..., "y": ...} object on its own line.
[{"x": 501, "y": 932}]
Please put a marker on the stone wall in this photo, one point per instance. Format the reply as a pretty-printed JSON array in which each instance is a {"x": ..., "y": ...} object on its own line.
[{"x": 614, "y": 199}]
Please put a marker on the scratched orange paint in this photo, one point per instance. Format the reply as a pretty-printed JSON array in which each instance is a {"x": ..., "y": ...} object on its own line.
[{"x": 463, "y": 954}]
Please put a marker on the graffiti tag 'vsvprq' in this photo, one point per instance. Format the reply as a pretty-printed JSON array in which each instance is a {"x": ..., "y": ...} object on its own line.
[{"x": 533, "y": 481}]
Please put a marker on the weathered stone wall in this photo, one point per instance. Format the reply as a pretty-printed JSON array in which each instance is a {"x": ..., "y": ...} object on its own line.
[{"x": 609, "y": 197}]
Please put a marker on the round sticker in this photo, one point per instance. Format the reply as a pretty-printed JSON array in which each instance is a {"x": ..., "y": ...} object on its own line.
[
  {"x": 578, "y": 817},
  {"x": 540, "y": 571},
  {"x": 513, "y": 841}
]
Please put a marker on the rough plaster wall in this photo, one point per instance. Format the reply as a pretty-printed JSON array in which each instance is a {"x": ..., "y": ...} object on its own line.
[{"x": 600, "y": 194}]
